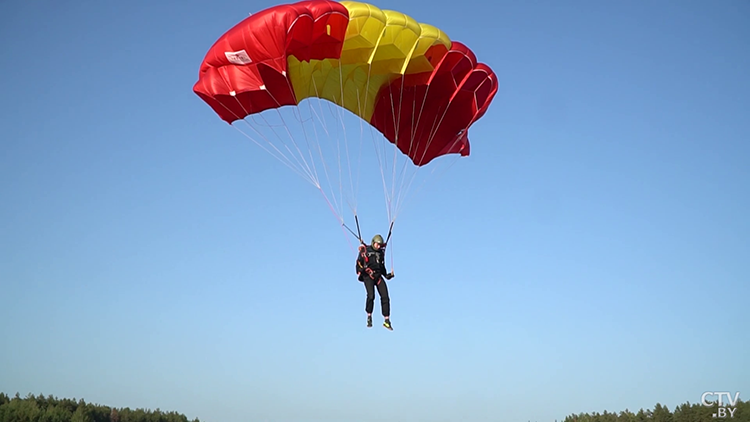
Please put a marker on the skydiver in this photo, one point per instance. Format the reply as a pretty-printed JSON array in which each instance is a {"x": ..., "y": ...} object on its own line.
[{"x": 371, "y": 271}]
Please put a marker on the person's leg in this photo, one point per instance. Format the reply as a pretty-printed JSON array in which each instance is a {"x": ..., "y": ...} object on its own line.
[
  {"x": 385, "y": 300},
  {"x": 370, "y": 300},
  {"x": 385, "y": 303}
]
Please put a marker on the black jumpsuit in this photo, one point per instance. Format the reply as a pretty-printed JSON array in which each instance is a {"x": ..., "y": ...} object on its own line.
[{"x": 374, "y": 259}]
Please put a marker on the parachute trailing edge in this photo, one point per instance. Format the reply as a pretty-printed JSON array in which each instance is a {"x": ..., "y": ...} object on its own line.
[{"x": 407, "y": 79}]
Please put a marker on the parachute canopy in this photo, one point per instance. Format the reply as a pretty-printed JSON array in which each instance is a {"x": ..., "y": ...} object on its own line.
[{"x": 408, "y": 80}]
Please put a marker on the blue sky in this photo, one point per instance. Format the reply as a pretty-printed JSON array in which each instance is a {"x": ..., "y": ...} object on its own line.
[{"x": 591, "y": 254}]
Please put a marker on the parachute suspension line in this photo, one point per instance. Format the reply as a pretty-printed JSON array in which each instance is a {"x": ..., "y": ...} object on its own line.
[
  {"x": 382, "y": 172},
  {"x": 317, "y": 182},
  {"x": 372, "y": 133},
  {"x": 297, "y": 111},
  {"x": 325, "y": 169},
  {"x": 338, "y": 150},
  {"x": 396, "y": 123},
  {"x": 341, "y": 220},
  {"x": 325, "y": 166},
  {"x": 435, "y": 125},
  {"x": 377, "y": 152},
  {"x": 333, "y": 203},
  {"x": 336, "y": 115},
  {"x": 321, "y": 119},
  {"x": 445, "y": 170},
  {"x": 312, "y": 173},
  {"x": 298, "y": 115},
  {"x": 283, "y": 158},
  {"x": 395, "y": 150},
  {"x": 427, "y": 180},
  {"x": 424, "y": 182},
  {"x": 331, "y": 207},
  {"x": 322, "y": 113},
  {"x": 309, "y": 174},
  {"x": 270, "y": 126},
  {"x": 375, "y": 146},
  {"x": 359, "y": 233},
  {"x": 354, "y": 186},
  {"x": 346, "y": 142},
  {"x": 404, "y": 189},
  {"x": 361, "y": 137},
  {"x": 284, "y": 161},
  {"x": 412, "y": 178},
  {"x": 396, "y": 198},
  {"x": 387, "y": 239},
  {"x": 380, "y": 163},
  {"x": 389, "y": 198},
  {"x": 322, "y": 158},
  {"x": 361, "y": 131},
  {"x": 351, "y": 231}
]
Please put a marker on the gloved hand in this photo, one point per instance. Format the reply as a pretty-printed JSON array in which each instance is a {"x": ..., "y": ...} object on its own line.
[{"x": 389, "y": 275}]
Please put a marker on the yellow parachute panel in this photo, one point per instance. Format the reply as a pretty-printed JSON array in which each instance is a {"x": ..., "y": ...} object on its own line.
[{"x": 380, "y": 46}]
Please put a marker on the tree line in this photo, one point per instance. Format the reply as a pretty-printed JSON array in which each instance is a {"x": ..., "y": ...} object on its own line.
[
  {"x": 685, "y": 412},
  {"x": 52, "y": 409}
]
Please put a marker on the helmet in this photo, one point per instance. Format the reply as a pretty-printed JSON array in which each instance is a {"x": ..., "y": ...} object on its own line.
[{"x": 377, "y": 239}]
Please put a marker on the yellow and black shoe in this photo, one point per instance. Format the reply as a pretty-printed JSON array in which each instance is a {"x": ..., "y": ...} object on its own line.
[
  {"x": 369, "y": 321},
  {"x": 387, "y": 324}
]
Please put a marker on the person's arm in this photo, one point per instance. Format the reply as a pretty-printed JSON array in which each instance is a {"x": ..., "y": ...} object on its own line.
[{"x": 383, "y": 270}]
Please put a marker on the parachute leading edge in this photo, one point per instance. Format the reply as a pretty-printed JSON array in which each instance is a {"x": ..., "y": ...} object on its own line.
[{"x": 421, "y": 90}]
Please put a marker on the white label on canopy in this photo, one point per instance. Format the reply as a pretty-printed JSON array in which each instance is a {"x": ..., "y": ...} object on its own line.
[{"x": 238, "y": 57}]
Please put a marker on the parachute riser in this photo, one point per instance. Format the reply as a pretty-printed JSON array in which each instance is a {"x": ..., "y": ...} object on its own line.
[
  {"x": 351, "y": 231},
  {"x": 390, "y": 230},
  {"x": 359, "y": 233}
]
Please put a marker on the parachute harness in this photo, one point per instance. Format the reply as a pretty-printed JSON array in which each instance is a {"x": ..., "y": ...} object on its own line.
[{"x": 358, "y": 235}]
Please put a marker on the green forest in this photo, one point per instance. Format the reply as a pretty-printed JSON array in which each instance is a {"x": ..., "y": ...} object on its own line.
[
  {"x": 685, "y": 412},
  {"x": 51, "y": 409}
]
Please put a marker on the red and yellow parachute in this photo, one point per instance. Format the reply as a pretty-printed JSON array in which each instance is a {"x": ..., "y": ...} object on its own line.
[
  {"x": 287, "y": 53},
  {"x": 407, "y": 79}
]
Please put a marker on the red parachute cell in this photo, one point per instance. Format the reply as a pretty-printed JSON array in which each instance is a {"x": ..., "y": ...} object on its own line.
[{"x": 433, "y": 115}]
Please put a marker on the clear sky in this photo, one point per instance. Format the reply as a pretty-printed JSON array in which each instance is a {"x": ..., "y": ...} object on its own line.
[{"x": 591, "y": 254}]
